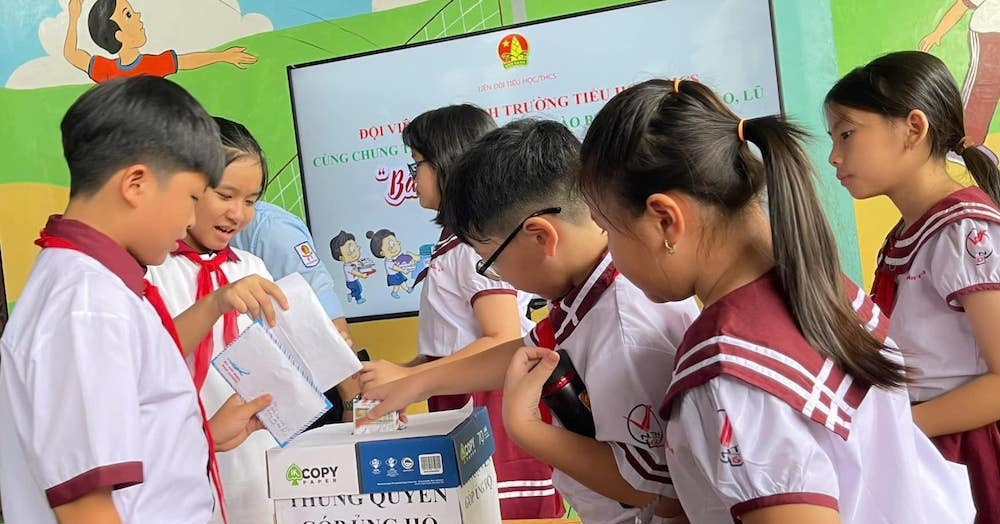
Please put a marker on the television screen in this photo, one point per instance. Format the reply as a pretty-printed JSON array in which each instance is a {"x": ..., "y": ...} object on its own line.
[{"x": 349, "y": 113}]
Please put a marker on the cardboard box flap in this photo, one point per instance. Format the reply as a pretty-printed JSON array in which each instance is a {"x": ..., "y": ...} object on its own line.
[
  {"x": 422, "y": 425},
  {"x": 474, "y": 444}
]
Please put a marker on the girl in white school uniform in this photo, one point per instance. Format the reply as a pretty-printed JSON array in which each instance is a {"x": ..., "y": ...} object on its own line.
[
  {"x": 893, "y": 122},
  {"x": 463, "y": 312},
  {"x": 786, "y": 404},
  {"x": 201, "y": 263}
]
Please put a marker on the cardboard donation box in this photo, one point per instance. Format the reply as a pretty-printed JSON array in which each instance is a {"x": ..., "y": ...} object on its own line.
[{"x": 436, "y": 471}]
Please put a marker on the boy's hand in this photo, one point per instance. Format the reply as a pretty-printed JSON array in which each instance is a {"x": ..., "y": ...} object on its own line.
[
  {"x": 236, "y": 420},
  {"x": 75, "y": 9},
  {"x": 522, "y": 390},
  {"x": 379, "y": 372},
  {"x": 394, "y": 396},
  {"x": 251, "y": 295},
  {"x": 238, "y": 57}
]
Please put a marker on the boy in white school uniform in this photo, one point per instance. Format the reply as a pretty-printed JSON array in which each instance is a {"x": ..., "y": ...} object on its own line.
[
  {"x": 103, "y": 421},
  {"x": 511, "y": 199}
]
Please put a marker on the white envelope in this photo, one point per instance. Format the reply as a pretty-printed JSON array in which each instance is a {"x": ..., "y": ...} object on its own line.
[
  {"x": 309, "y": 336},
  {"x": 255, "y": 364}
]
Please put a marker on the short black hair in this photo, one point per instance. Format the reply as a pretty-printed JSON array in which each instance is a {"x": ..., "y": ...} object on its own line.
[
  {"x": 337, "y": 244},
  {"x": 238, "y": 143},
  {"x": 102, "y": 27},
  {"x": 441, "y": 135},
  {"x": 509, "y": 173},
  {"x": 143, "y": 119},
  {"x": 377, "y": 237}
]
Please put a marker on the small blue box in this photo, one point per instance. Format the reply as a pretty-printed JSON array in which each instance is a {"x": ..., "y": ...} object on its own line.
[{"x": 442, "y": 461}]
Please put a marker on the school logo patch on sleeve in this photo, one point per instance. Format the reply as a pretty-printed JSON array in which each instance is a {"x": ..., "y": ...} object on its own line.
[
  {"x": 307, "y": 254},
  {"x": 644, "y": 426},
  {"x": 978, "y": 247},
  {"x": 730, "y": 450}
]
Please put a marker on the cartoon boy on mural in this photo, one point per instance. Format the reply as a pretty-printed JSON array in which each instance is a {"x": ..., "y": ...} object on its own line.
[
  {"x": 344, "y": 248},
  {"x": 398, "y": 263},
  {"x": 118, "y": 28},
  {"x": 981, "y": 90}
]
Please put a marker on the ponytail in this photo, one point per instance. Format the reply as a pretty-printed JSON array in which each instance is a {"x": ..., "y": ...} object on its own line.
[
  {"x": 660, "y": 136},
  {"x": 982, "y": 168},
  {"x": 806, "y": 261}
]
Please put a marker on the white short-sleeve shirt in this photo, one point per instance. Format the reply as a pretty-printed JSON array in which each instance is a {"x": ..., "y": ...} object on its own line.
[
  {"x": 447, "y": 321},
  {"x": 757, "y": 419},
  {"x": 622, "y": 346},
  {"x": 928, "y": 321},
  {"x": 985, "y": 15},
  {"x": 946, "y": 254},
  {"x": 349, "y": 270},
  {"x": 95, "y": 394},
  {"x": 243, "y": 469}
]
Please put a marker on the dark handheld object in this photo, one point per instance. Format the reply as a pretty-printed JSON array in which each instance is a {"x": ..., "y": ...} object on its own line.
[{"x": 566, "y": 396}]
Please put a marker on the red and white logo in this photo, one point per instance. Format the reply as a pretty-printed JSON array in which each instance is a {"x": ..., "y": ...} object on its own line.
[
  {"x": 307, "y": 254},
  {"x": 513, "y": 51},
  {"x": 977, "y": 246},
  {"x": 730, "y": 450},
  {"x": 644, "y": 426}
]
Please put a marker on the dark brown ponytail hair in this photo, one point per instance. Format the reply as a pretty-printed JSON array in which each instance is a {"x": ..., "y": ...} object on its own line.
[{"x": 663, "y": 136}]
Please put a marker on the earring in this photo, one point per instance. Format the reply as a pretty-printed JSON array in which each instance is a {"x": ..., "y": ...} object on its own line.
[{"x": 671, "y": 248}]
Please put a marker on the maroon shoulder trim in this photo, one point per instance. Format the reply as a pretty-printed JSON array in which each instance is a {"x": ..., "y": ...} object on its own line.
[
  {"x": 581, "y": 300},
  {"x": 100, "y": 247},
  {"x": 898, "y": 250},
  {"x": 114, "y": 476},
  {"x": 826, "y": 395},
  {"x": 445, "y": 246}
]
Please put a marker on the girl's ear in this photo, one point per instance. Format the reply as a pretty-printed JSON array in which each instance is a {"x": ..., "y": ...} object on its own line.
[
  {"x": 917, "y": 128},
  {"x": 668, "y": 210}
]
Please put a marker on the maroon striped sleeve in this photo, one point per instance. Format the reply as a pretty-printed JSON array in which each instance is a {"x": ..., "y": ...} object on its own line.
[{"x": 644, "y": 464}]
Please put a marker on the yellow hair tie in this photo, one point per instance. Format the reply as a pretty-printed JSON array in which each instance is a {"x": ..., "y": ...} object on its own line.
[
  {"x": 739, "y": 131},
  {"x": 677, "y": 85}
]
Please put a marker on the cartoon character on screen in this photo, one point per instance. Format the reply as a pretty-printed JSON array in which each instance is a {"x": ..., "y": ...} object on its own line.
[
  {"x": 117, "y": 27},
  {"x": 398, "y": 264},
  {"x": 344, "y": 248}
]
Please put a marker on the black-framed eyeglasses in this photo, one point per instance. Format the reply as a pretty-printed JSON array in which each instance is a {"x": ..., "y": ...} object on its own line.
[
  {"x": 484, "y": 267},
  {"x": 412, "y": 166}
]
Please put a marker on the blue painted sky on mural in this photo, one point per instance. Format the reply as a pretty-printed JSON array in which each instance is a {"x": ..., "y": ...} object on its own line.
[{"x": 19, "y": 23}]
